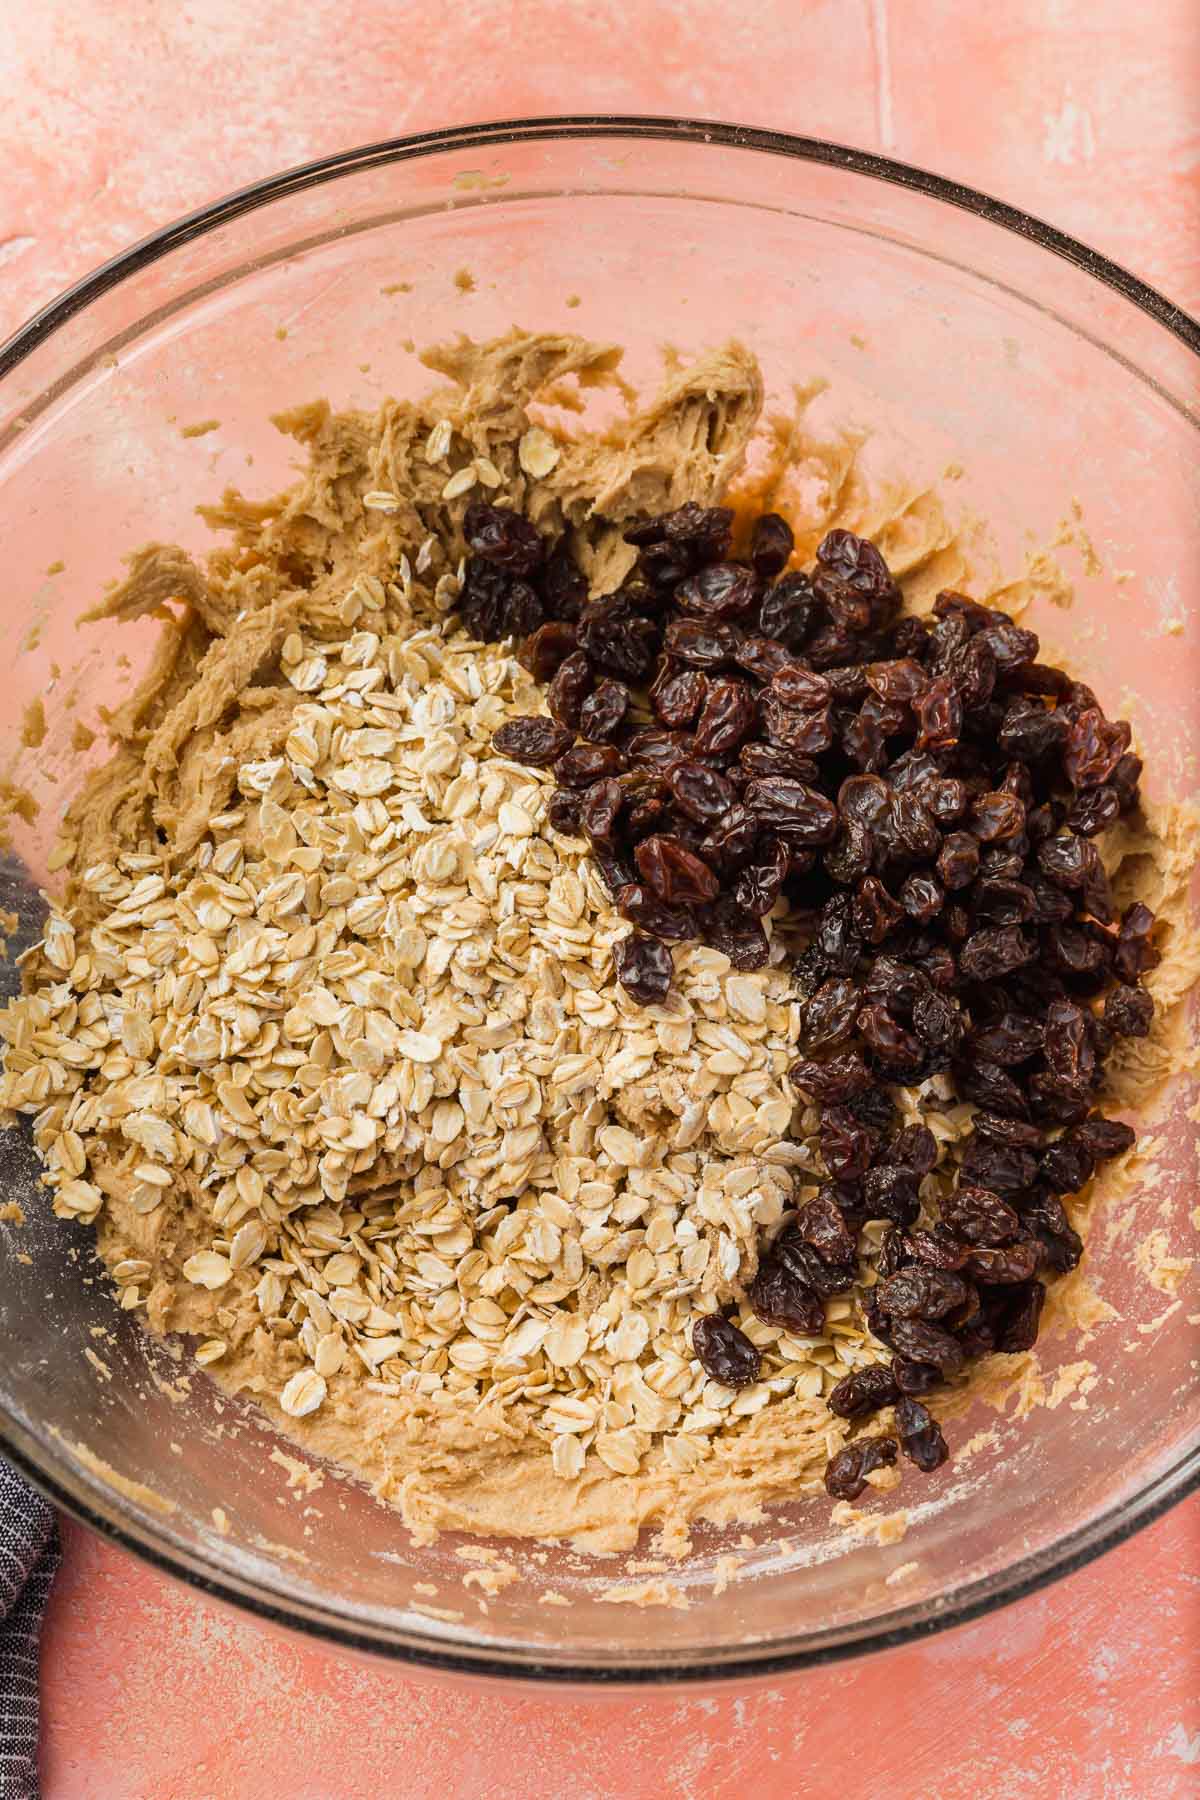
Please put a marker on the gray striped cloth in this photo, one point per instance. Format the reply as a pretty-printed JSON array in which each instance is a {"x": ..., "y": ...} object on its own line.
[{"x": 28, "y": 1559}]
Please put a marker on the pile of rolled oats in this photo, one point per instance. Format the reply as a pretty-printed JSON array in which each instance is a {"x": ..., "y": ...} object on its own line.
[{"x": 368, "y": 1041}]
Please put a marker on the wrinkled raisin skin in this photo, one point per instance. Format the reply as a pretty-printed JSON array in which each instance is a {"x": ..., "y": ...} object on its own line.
[{"x": 724, "y": 1351}]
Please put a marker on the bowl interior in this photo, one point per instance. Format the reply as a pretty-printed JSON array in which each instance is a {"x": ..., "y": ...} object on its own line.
[{"x": 1033, "y": 397}]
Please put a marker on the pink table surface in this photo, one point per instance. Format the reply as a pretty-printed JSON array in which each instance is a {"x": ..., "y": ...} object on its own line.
[{"x": 116, "y": 118}]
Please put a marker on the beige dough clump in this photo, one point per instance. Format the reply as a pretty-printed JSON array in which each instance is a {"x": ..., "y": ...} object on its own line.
[{"x": 325, "y": 1038}]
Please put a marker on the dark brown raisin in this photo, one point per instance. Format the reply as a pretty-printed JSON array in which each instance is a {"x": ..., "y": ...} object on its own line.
[
  {"x": 1093, "y": 749},
  {"x": 916, "y": 1148},
  {"x": 675, "y": 873},
  {"x": 915, "y": 1377},
  {"x": 501, "y": 536},
  {"x": 846, "y": 1145},
  {"x": 863, "y": 1391},
  {"x": 644, "y": 968},
  {"x": 699, "y": 644},
  {"x": 562, "y": 810},
  {"x": 779, "y": 1297},
  {"x": 1012, "y": 1262},
  {"x": 921, "y": 1342},
  {"x": 958, "y": 860},
  {"x": 922, "y": 1293},
  {"x": 758, "y": 886},
  {"x": 988, "y": 955},
  {"x": 1019, "y": 1321},
  {"x": 600, "y": 809},
  {"x": 1135, "y": 954},
  {"x": 736, "y": 934},
  {"x": 641, "y": 907},
  {"x": 570, "y": 688},
  {"x": 562, "y": 584},
  {"x": 771, "y": 544},
  {"x": 724, "y": 1351},
  {"x": 996, "y": 816},
  {"x": 788, "y": 610},
  {"x": 586, "y": 763},
  {"x": 762, "y": 657},
  {"x": 550, "y": 645},
  {"x": 1106, "y": 1138},
  {"x": 892, "y": 1191},
  {"x": 938, "y": 711},
  {"x": 829, "y": 1017},
  {"x": 979, "y": 1216},
  {"x": 821, "y": 1223},
  {"x": 603, "y": 712},
  {"x": 678, "y": 701},
  {"x": 721, "y": 590},
  {"x": 920, "y": 1436},
  {"x": 846, "y": 1474},
  {"x": 536, "y": 742},
  {"x": 700, "y": 792},
  {"x": 726, "y": 718},
  {"x": 803, "y": 813}
]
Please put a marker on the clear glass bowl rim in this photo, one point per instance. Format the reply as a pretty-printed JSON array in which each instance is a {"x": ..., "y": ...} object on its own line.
[{"x": 1074, "y": 1549}]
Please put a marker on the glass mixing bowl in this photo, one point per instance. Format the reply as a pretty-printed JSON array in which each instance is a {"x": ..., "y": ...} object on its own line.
[{"x": 964, "y": 333}]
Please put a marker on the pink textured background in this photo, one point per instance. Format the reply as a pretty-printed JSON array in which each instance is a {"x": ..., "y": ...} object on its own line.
[{"x": 114, "y": 119}]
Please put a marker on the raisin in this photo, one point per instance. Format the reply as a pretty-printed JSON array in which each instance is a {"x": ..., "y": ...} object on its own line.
[
  {"x": 920, "y": 1436},
  {"x": 586, "y": 763},
  {"x": 615, "y": 873},
  {"x": 700, "y": 792},
  {"x": 914, "y": 827},
  {"x": 724, "y": 1351},
  {"x": 562, "y": 810},
  {"x": 1021, "y": 1318},
  {"x": 822, "y": 1224},
  {"x": 721, "y": 590},
  {"x": 676, "y": 875},
  {"x": 678, "y": 701},
  {"x": 600, "y": 809},
  {"x": 698, "y": 533},
  {"x": 569, "y": 689},
  {"x": 763, "y": 657},
  {"x": 921, "y": 898},
  {"x": 915, "y": 1377},
  {"x": 1010, "y": 1263},
  {"x": 938, "y": 1248},
  {"x": 641, "y": 907},
  {"x": 806, "y": 815},
  {"x": 917, "y": 1149},
  {"x": 771, "y": 544},
  {"x": 700, "y": 645},
  {"x": 726, "y": 718},
  {"x": 644, "y": 968},
  {"x": 1066, "y": 1165},
  {"x": 1003, "y": 1168},
  {"x": 547, "y": 649},
  {"x": 794, "y": 685},
  {"x": 846, "y": 1474},
  {"x": 863, "y": 1391},
  {"x": 1106, "y": 1138},
  {"x": 788, "y": 610},
  {"x": 846, "y": 1145},
  {"x": 980, "y": 1217},
  {"x": 1094, "y": 747},
  {"x": 972, "y": 671},
  {"x": 779, "y": 1297},
  {"x": 1135, "y": 954},
  {"x": 733, "y": 839},
  {"x": 805, "y": 732},
  {"x": 533, "y": 741},
  {"x": 996, "y": 816},
  {"x": 561, "y": 584},
  {"x": 958, "y": 860},
  {"x": 938, "y": 712},
  {"x": 758, "y": 886},
  {"x": 988, "y": 955},
  {"x": 922, "y": 1293},
  {"x": 617, "y": 641},
  {"x": 833, "y": 1081},
  {"x": 1061, "y": 1246},
  {"x": 848, "y": 858},
  {"x": 503, "y": 537},
  {"x": 858, "y": 563},
  {"x": 829, "y": 1017},
  {"x": 921, "y": 1342},
  {"x": 892, "y": 1191},
  {"x": 603, "y": 712},
  {"x": 1031, "y": 731},
  {"x": 737, "y": 935}
]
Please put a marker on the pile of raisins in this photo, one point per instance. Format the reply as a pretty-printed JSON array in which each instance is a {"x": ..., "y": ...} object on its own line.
[{"x": 928, "y": 794}]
